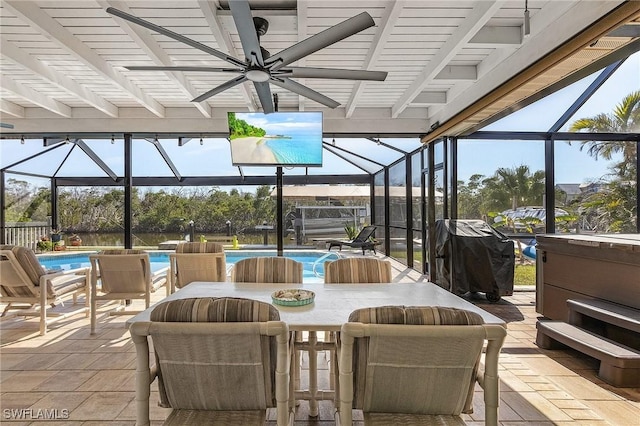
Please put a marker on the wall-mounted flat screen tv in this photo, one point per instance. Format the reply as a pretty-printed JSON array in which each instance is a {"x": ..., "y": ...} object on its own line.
[{"x": 276, "y": 139}]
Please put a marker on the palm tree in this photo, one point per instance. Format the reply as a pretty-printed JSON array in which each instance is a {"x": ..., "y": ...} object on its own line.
[
  {"x": 614, "y": 209},
  {"x": 518, "y": 184},
  {"x": 625, "y": 118}
]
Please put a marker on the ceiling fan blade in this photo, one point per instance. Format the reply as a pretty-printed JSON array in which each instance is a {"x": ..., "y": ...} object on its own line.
[
  {"x": 175, "y": 36},
  {"x": 264, "y": 93},
  {"x": 332, "y": 73},
  {"x": 321, "y": 40},
  {"x": 302, "y": 90},
  {"x": 241, "y": 13},
  {"x": 181, "y": 68},
  {"x": 228, "y": 85}
]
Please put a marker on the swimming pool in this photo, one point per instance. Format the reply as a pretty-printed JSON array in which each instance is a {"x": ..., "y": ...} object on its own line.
[{"x": 312, "y": 261}]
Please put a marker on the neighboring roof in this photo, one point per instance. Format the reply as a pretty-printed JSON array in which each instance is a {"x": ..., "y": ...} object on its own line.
[{"x": 569, "y": 188}]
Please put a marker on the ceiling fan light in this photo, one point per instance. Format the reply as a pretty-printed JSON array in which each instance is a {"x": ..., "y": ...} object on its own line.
[{"x": 257, "y": 75}]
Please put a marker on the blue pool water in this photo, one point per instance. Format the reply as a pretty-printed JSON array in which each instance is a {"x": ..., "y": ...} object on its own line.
[{"x": 310, "y": 259}]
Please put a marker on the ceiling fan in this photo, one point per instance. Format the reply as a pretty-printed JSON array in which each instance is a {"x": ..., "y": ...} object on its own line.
[{"x": 259, "y": 66}]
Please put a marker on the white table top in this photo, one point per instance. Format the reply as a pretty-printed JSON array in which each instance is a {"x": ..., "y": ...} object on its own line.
[{"x": 333, "y": 302}]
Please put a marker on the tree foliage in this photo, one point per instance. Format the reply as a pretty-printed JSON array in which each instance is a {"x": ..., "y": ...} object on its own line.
[{"x": 613, "y": 208}]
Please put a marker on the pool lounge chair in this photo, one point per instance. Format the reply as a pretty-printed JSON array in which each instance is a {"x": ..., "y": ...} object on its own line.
[
  {"x": 22, "y": 280},
  {"x": 362, "y": 240}
]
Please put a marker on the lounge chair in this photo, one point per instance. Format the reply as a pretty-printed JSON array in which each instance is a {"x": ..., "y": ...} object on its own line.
[
  {"x": 196, "y": 262},
  {"x": 22, "y": 279},
  {"x": 362, "y": 240},
  {"x": 124, "y": 274},
  {"x": 218, "y": 361},
  {"x": 417, "y": 365}
]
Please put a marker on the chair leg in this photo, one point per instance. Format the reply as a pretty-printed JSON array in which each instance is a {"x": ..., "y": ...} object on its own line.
[{"x": 94, "y": 307}]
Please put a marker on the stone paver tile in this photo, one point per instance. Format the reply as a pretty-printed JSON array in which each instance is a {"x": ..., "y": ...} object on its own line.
[
  {"x": 568, "y": 403},
  {"x": 582, "y": 388},
  {"x": 66, "y": 380},
  {"x": 10, "y": 400},
  {"x": 155, "y": 412},
  {"x": 112, "y": 423},
  {"x": 84, "y": 346},
  {"x": 509, "y": 381},
  {"x": 39, "y": 361},
  {"x": 103, "y": 406},
  {"x": 39, "y": 345},
  {"x": 540, "y": 387},
  {"x": 110, "y": 380},
  {"x": 555, "y": 394},
  {"x": 61, "y": 402},
  {"x": 547, "y": 367},
  {"x": 113, "y": 361},
  {"x": 587, "y": 414},
  {"x": 531, "y": 406},
  {"x": 76, "y": 361},
  {"x": 616, "y": 412},
  {"x": 26, "y": 380},
  {"x": 8, "y": 361}
]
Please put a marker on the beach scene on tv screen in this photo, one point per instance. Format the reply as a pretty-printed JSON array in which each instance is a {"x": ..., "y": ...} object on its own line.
[{"x": 281, "y": 138}]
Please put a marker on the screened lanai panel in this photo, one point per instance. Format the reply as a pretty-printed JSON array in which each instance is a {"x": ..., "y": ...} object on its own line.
[
  {"x": 201, "y": 156},
  {"x": 370, "y": 149},
  {"x": 622, "y": 83},
  {"x": 45, "y": 164},
  {"x": 541, "y": 115},
  {"x": 147, "y": 161}
]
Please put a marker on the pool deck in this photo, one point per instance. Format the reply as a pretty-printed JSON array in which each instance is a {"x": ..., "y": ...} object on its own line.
[{"x": 93, "y": 376}]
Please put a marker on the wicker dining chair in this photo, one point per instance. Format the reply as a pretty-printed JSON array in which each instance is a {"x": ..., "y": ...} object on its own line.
[
  {"x": 218, "y": 361},
  {"x": 196, "y": 262},
  {"x": 267, "y": 269},
  {"x": 123, "y": 274},
  {"x": 354, "y": 270},
  {"x": 22, "y": 280},
  {"x": 417, "y": 365}
]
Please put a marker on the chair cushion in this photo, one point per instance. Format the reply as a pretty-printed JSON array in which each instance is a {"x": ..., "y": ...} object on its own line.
[
  {"x": 267, "y": 269},
  {"x": 208, "y": 247},
  {"x": 211, "y": 309},
  {"x": 29, "y": 262},
  {"x": 410, "y": 315},
  {"x": 357, "y": 270}
]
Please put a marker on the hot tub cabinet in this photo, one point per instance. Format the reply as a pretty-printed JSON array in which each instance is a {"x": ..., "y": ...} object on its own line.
[{"x": 588, "y": 290}]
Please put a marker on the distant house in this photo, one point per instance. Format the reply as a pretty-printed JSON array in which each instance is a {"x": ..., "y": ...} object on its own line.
[{"x": 572, "y": 191}]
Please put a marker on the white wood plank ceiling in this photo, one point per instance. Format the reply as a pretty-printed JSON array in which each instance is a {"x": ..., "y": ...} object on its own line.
[{"x": 62, "y": 62}]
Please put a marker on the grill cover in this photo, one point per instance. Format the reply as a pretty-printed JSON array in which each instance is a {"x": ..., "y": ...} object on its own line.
[{"x": 473, "y": 256}]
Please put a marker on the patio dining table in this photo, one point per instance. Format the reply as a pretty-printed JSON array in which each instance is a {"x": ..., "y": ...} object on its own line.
[{"x": 331, "y": 308}]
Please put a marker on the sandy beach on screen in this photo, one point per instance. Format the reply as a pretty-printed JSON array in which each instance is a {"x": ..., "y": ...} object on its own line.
[{"x": 252, "y": 150}]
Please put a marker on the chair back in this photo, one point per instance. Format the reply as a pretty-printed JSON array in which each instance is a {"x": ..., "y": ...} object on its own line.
[
  {"x": 20, "y": 272},
  {"x": 207, "y": 247},
  {"x": 364, "y": 234},
  {"x": 215, "y": 354},
  {"x": 357, "y": 270},
  {"x": 122, "y": 270},
  {"x": 268, "y": 269},
  {"x": 417, "y": 360}
]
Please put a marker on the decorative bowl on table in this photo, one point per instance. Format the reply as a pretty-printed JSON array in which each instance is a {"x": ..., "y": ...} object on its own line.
[{"x": 293, "y": 297}]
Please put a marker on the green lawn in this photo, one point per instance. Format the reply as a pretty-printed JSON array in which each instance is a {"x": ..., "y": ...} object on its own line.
[{"x": 524, "y": 275}]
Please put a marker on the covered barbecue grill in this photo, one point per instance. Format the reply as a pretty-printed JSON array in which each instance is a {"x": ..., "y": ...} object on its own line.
[{"x": 472, "y": 256}]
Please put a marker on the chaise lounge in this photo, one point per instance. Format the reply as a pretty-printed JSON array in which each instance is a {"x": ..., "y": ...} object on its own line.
[{"x": 362, "y": 240}]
